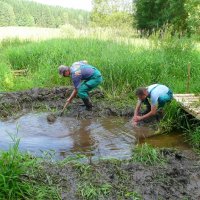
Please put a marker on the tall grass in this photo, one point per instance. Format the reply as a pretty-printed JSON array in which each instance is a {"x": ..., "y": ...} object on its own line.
[
  {"x": 174, "y": 118},
  {"x": 124, "y": 66}
]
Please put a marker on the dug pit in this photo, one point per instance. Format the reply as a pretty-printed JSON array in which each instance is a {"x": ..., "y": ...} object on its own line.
[
  {"x": 106, "y": 131},
  {"x": 99, "y": 137}
]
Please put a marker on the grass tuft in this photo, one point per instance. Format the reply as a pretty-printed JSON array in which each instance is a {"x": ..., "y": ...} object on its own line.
[
  {"x": 194, "y": 137},
  {"x": 89, "y": 191},
  {"x": 19, "y": 177},
  {"x": 147, "y": 155}
]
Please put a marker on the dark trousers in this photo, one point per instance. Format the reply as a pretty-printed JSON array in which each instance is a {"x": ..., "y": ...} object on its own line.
[{"x": 147, "y": 107}]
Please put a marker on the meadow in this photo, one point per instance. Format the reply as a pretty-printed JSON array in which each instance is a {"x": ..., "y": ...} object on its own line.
[{"x": 125, "y": 63}]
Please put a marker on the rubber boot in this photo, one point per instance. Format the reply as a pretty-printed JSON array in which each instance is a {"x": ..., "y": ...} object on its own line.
[{"x": 88, "y": 104}]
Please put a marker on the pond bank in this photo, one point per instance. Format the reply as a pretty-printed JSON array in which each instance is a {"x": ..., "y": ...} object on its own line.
[
  {"x": 54, "y": 99},
  {"x": 177, "y": 179}
]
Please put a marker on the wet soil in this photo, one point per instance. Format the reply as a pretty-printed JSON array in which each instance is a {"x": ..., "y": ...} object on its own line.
[
  {"x": 178, "y": 179},
  {"x": 21, "y": 102}
]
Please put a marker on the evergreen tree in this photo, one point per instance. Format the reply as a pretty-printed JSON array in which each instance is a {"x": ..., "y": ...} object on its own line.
[{"x": 29, "y": 13}]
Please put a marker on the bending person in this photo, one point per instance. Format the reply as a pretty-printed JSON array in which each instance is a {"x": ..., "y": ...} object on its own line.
[
  {"x": 85, "y": 78},
  {"x": 158, "y": 95}
]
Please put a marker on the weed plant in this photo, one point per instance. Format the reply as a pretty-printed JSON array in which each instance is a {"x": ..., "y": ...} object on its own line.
[
  {"x": 90, "y": 191},
  {"x": 173, "y": 118},
  {"x": 193, "y": 135},
  {"x": 147, "y": 155}
]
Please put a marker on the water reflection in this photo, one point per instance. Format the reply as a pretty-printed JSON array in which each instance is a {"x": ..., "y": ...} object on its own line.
[
  {"x": 102, "y": 137},
  {"x": 82, "y": 138},
  {"x": 98, "y": 137}
]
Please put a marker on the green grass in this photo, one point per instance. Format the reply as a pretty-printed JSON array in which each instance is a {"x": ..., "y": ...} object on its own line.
[
  {"x": 21, "y": 177},
  {"x": 89, "y": 191},
  {"x": 194, "y": 137},
  {"x": 173, "y": 118},
  {"x": 147, "y": 155},
  {"x": 133, "y": 196},
  {"x": 124, "y": 66},
  {"x": 93, "y": 184}
]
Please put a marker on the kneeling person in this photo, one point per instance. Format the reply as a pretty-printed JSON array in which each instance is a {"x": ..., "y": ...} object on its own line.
[
  {"x": 85, "y": 77},
  {"x": 158, "y": 95}
]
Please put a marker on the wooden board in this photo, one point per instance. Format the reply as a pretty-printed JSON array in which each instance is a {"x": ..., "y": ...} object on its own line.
[{"x": 190, "y": 103}]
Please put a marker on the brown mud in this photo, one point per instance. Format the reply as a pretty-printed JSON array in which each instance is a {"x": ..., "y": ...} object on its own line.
[
  {"x": 53, "y": 100},
  {"x": 178, "y": 178}
]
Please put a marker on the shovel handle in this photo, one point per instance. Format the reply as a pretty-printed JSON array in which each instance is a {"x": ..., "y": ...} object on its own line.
[{"x": 66, "y": 104}]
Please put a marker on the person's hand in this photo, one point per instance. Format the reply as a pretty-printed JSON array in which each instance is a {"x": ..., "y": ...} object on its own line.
[
  {"x": 135, "y": 123},
  {"x": 137, "y": 118}
]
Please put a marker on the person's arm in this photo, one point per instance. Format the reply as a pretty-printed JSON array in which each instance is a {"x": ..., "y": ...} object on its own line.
[
  {"x": 137, "y": 108},
  {"x": 73, "y": 94},
  {"x": 149, "y": 114},
  {"x": 76, "y": 79}
]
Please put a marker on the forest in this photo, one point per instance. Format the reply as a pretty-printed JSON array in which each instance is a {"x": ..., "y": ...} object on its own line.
[{"x": 29, "y": 13}]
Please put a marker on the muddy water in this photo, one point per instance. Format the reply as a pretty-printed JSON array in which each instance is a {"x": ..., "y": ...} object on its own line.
[
  {"x": 103, "y": 137},
  {"x": 174, "y": 140}
]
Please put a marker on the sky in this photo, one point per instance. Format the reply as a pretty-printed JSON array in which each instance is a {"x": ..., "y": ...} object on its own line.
[{"x": 77, "y": 4}]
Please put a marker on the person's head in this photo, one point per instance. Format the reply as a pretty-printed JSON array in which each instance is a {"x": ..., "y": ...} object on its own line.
[
  {"x": 64, "y": 70},
  {"x": 141, "y": 93}
]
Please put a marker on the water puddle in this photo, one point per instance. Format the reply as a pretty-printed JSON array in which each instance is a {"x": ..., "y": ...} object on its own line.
[
  {"x": 174, "y": 140},
  {"x": 103, "y": 137}
]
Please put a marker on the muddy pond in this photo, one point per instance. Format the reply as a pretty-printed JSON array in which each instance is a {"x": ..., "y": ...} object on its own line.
[{"x": 99, "y": 137}]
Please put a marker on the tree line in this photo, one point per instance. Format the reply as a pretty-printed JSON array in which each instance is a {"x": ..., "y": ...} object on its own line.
[
  {"x": 181, "y": 16},
  {"x": 148, "y": 16},
  {"x": 112, "y": 13},
  {"x": 29, "y": 13}
]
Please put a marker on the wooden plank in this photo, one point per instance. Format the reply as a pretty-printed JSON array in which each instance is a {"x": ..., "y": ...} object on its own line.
[
  {"x": 22, "y": 72},
  {"x": 190, "y": 103}
]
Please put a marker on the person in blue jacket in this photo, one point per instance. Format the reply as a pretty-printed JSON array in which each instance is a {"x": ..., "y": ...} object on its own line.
[
  {"x": 158, "y": 95},
  {"x": 85, "y": 78}
]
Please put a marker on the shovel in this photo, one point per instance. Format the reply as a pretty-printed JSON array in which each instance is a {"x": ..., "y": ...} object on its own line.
[
  {"x": 66, "y": 104},
  {"x": 52, "y": 117}
]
